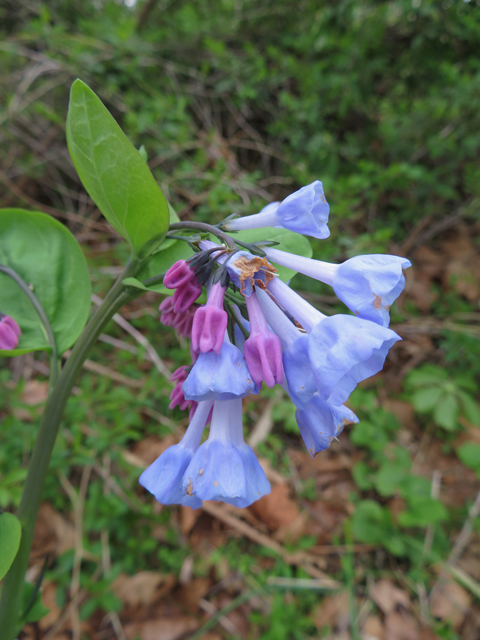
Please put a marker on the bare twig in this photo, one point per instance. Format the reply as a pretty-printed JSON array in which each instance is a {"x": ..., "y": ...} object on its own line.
[{"x": 140, "y": 338}]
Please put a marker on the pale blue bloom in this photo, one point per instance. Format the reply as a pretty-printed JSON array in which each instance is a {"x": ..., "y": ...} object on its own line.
[
  {"x": 343, "y": 351},
  {"x": 321, "y": 422},
  {"x": 221, "y": 377},
  {"x": 224, "y": 468},
  {"x": 163, "y": 478},
  {"x": 368, "y": 285},
  {"x": 305, "y": 211}
]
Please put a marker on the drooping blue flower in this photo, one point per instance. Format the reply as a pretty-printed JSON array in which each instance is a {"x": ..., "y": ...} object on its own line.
[
  {"x": 345, "y": 350},
  {"x": 221, "y": 377},
  {"x": 321, "y": 422},
  {"x": 163, "y": 478},
  {"x": 224, "y": 468},
  {"x": 305, "y": 211},
  {"x": 368, "y": 285}
]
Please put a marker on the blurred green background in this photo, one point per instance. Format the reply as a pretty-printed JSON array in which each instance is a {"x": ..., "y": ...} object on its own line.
[{"x": 238, "y": 103}]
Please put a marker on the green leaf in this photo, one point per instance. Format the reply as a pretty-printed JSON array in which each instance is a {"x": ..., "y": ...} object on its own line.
[
  {"x": 370, "y": 522},
  {"x": 469, "y": 454},
  {"x": 48, "y": 258},
  {"x": 114, "y": 172},
  {"x": 470, "y": 408},
  {"x": 422, "y": 511},
  {"x": 427, "y": 375},
  {"x": 10, "y": 534},
  {"x": 362, "y": 474},
  {"x": 446, "y": 412},
  {"x": 425, "y": 400},
  {"x": 288, "y": 241},
  {"x": 162, "y": 260},
  {"x": 36, "y": 609}
]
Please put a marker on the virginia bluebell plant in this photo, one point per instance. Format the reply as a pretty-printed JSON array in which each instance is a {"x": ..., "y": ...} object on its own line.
[
  {"x": 254, "y": 330},
  {"x": 250, "y": 329}
]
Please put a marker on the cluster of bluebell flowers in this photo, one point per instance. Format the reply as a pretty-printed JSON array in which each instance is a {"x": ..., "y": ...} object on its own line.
[{"x": 254, "y": 330}]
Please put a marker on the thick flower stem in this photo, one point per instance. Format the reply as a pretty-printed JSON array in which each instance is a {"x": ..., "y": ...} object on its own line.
[{"x": 27, "y": 513}]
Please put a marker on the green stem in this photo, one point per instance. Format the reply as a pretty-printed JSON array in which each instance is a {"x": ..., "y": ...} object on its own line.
[
  {"x": 54, "y": 361},
  {"x": 202, "y": 226},
  {"x": 27, "y": 513}
]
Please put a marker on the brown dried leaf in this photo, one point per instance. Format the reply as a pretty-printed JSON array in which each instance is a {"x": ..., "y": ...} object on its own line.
[
  {"x": 388, "y": 597},
  {"x": 450, "y": 601},
  {"x": 150, "y": 449},
  {"x": 54, "y": 534},
  {"x": 137, "y": 589},
  {"x": 49, "y": 600},
  {"x": 332, "y": 611},
  {"x": 161, "y": 628},
  {"x": 35, "y": 392},
  {"x": 373, "y": 629},
  {"x": 401, "y": 627},
  {"x": 276, "y": 509},
  {"x": 188, "y": 518},
  {"x": 191, "y": 593}
]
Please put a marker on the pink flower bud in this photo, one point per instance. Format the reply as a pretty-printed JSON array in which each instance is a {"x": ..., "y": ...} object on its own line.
[
  {"x": 210, "y": 322},
  {"x": 9, "y": 333},
  {"x": 263, "y": 350},
  {"x": 186, "y": 295},
  {"x": 179, "y": 274}
]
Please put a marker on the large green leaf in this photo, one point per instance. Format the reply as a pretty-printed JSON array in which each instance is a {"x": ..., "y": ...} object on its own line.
[
  {"x": 288, "y": 241},
  {"x": 114, "y": 172},
  {"x": 10, "y": 534},
  {"x": 48, "y": 258}
]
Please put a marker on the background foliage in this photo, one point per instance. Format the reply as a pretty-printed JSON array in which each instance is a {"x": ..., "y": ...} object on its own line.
[{"x": 237, "y": 103}]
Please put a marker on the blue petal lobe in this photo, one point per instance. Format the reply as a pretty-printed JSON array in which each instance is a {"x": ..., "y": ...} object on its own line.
[
  {"x": 163, "y": 478},
  {"x": 321, "y": 422},
  {"x": 221, "y": 377},
  {"x": 368, "y": 285},
  {"x": 216, "y": 473},
  {"x": 345, "y": 350},
  {"x": 298, "y": 372}
]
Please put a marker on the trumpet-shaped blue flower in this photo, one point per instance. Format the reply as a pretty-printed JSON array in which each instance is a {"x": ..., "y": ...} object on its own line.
[
  {"x": 345, "y": 350},
  {"x": 219, "y": 377},
  {"x": 368, "y": 285},
  {"x": 224, "y": 468},
  {"x": 321, "y": 422},
  {"x": 305, "y": 211},
  {"x": 163, "y": 478}
]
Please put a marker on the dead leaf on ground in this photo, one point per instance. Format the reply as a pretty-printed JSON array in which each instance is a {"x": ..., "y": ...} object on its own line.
[
  {"x": 188, "y": 518},
  {"x": 373, "y": 629},
  {"x": 388, "y": 597},
  {"x": 190, "y": 594},
  {"x": 449, "y": 601},
  {"x": 142, "y": 588},
  {"x": 399, "y": 626},
  {"x": 49, "y": 599},
  {"x": 276, "y": 509},
  {"x": 333, "y": 611},
  {"x": 54, "y": 534},
  {"x": 35, "y": 392},
  {"x": 161, "y": 628},
  {"x": 403, "y": 411},
  {"x": 150, "y": 449}
]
